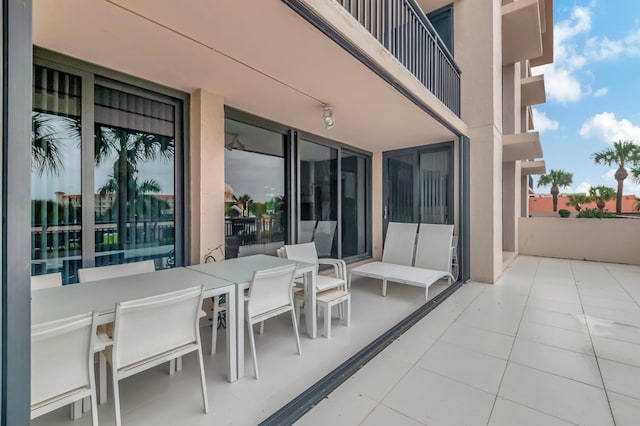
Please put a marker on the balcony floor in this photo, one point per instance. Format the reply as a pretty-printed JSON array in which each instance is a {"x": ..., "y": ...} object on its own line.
[
  {"x": 554, "y": 342},
  {"x": 155, "y": 398}
]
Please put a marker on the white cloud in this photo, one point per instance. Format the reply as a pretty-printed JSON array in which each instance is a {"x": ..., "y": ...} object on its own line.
[
  {"x": 542, "y": 122},
  {"x": 583, "y": 188},
  {"x": 561, "y": 84},
  {"x": 607, "y": 128},
  {"x": 600, "y": 92},
  {"x": 601, "y": 49}
]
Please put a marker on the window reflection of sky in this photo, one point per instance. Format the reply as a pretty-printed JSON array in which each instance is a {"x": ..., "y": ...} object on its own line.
[{"x": 261, "y": 176}]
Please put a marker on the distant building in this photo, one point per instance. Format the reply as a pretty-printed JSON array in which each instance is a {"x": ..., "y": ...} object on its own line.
[
  {"x": 543, "y": 203},
  {"x": 104, "y": 202}
]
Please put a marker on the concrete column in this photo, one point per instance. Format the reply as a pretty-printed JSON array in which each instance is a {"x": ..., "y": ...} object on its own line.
[
  {"x": 511, "y": 204},
  {"x": 524, "y": 196},
  {"x": 206, "y": 183},
  {"x": 479, "y": 51}
]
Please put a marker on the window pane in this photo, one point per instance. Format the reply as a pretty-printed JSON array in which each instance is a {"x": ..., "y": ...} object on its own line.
[
  {"x": 55, "y": 174},
  {"x": 400, "y": 188},
  {"x": 134, "y": 179},
  {"x": 354, "y": 204},
  {"x": 256, "y": 207},
  {"x": 318, "y": 197},
  {"x": 435, "y": 174}
]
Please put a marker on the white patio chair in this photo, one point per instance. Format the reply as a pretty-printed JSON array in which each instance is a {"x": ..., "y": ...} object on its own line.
[
  {"x": 38, "y": 282},
  {"x": 269, "y": 296},
  {"x": 307, "y": 253},
  {"x": 454, "y": 256},
  {"x": 307, "y": 227},
  {"x": 399, "y": 248},
  {"x": 153, "y": 330},
  {"x": 62, "y": 364},
  {"x": 102, "y": 273},
  {"x": 432, "y": 261}
]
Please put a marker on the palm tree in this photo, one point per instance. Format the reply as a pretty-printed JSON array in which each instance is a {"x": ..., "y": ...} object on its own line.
[
  {"x": 601, "y": 194},
  {"x": 621, "y": 154},
  {"x": 128, "y": 148},
  {"x": 556, "y": 178},
  {"x": 576, "y": 200}
]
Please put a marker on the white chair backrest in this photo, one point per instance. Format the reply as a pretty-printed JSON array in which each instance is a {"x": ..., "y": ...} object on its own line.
[
  {"x": 115, "y": 271},
  {"x": 323, "y": 236},
  {"x": 153, "y": 325},
  {"x": 38, "y": 282},
  {"x": 306, "y": 231},
  {"x": 302, "y": 252},
  {"x": 271, "y": 289},
  {"x": 433, "y": 250},
  {"x": 454, "y": 247},
  {"x": 281, "y": 253},
  {"x": 399, "y": 244},
  {"x": 61, "y": 356}
]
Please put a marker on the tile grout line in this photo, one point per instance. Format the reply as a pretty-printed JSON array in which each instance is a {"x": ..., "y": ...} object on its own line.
[
  {"x": 514, "y": 341},
  {"x": 606, "y": 393}
]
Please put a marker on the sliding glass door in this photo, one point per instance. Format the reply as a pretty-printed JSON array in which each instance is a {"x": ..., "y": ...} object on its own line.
[
  {"x": 418, "y": 185},
  {"x": 105, "y": 160},
  {"x": 354, "y": 174},
  {"x": 255, "y": 202}
]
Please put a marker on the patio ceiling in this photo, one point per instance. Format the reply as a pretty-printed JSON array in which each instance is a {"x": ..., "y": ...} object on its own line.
[{"x": 260, "y": 55}]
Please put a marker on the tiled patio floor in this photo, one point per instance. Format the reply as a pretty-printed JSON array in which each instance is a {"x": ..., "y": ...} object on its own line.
[{"x": 554, "y": 342}]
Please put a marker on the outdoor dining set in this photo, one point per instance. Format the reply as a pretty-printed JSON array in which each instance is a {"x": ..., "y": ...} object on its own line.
[{"x": 134, "y": 318}]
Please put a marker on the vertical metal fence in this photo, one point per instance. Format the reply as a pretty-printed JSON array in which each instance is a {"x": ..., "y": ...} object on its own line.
[{"x": 404, "y": 30}]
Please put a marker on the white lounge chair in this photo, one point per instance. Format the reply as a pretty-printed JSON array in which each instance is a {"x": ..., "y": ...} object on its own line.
[
  {"x": 432, "y": 261},
  {"x": 399, "y": 248}
]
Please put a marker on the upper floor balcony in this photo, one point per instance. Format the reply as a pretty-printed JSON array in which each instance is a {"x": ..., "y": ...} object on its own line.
[{"x": 404, "y": 30}]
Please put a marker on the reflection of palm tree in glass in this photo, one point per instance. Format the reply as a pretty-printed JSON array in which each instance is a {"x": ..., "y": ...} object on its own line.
[
  {"x": 128, "y": 148},
  {"x": 46, "y": 139}
]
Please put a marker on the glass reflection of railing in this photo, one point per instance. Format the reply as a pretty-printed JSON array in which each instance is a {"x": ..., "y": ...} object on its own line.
[{"x": 253, "y": 230}]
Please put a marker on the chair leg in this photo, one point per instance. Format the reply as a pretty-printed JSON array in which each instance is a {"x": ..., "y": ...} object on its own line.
[
  {"x": 252, "y": 343},
  {"x": 172, "y": 367},
  {"x": 116, "y": 400},
  {"x": 295, "y": 331},
  {"x": 261, "y": 328},
  {"x": 297, "y": 305},
  {"x": 384, "y": 288},
  {"x": 178, "y": 364},
  {"x": 327, "y": 321},
  {"x": 348, "y": 302},
  {"x": 349, "y": 281},
  {"x": 203, "y": 383},
  {"x": 76, "y": 410},
  {"x": 94, "y": 408},
  {"x": 102, "y": 372},
  {"x": 214, "y": 332}
]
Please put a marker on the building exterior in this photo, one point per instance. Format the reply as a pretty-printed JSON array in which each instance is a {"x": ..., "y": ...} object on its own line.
[
  {"x": 347, "y": 114},
  {"x": 543, "y": 204}
]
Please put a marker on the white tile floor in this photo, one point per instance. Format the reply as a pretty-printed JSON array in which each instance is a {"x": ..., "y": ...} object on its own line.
[
  {"x": 554, "y": 342},
  {"x": 155, "y": 398}
]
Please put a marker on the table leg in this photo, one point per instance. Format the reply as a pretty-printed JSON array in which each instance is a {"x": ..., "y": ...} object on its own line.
[
  {"x": 240, "y": 329},
  {"x": 232, "y": 338},
  {"x": 311, "y": 318}
]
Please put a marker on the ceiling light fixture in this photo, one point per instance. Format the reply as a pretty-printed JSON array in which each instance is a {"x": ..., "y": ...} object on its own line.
[{"x": 327, "y": 117}]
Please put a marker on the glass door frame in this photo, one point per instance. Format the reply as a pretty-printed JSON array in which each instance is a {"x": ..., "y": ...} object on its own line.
[
  {"x": 92, "y": 75},
  {"x": 416, "y": 152},
  {"x": 339, "y": 147}
]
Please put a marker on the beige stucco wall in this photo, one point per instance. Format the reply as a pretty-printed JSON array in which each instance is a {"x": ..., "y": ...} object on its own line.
[
  {"x": 478, "y": 52},
  {"x": 206, "y": 180},
  {"x": 602, "y": 240}
]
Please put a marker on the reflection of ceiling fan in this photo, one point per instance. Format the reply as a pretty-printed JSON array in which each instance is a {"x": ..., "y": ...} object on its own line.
[{"x": 235, "y": 143}]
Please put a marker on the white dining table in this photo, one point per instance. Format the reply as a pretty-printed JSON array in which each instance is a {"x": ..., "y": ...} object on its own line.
[
  {"x": 241, "y": 270},
  {"x": 101, "y": 296}
]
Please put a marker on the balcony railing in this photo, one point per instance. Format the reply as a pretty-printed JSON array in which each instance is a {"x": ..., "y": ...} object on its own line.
[{"x": 404, "y": 30}]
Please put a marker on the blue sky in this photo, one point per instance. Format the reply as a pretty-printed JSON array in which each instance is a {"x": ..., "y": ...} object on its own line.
[{"x": 593, "y": 89}]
